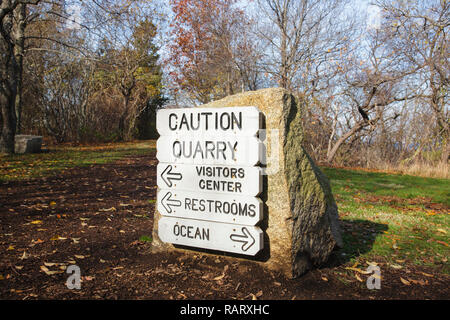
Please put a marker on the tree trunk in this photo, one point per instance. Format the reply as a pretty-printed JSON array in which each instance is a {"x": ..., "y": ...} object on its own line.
[
  {"x": 9, "y": 123},
  {"x": 19, "y": 52},
  {"x": 332, "y": 152},
  {"x": 123, "y": 116},
  {"x": 9, "y": 75}
]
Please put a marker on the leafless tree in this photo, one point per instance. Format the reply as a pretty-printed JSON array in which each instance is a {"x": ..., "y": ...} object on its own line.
[
  {"x": 418, "y": 32},
  {"x": 302, "y": 37},
  {"x": 12, "y": 28}
]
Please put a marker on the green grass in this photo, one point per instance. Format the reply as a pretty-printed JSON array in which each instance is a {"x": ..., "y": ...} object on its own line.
[
  {"x": 346, "y": 182},
  {"x": 145, "y": 239},
  {"x": 399, "y": 218},
  {"x": 27, "y": 166}
]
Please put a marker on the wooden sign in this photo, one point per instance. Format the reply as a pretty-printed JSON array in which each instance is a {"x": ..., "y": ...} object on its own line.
[
  {"x": 219, "y": 207},
  {"x": 219, "y": 150},
  {"x": 234, "y": 238},
  {"x": 210, "y": 179},
  {"x": 242, "y": 121}
]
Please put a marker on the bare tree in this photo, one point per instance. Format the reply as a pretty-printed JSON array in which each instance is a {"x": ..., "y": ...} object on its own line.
[
  {"x": 418, "y": 32},
  {"x": 374, "y": 83},
  {"x": 302, "y": 37},
  {"x": 12, "y": 26}
]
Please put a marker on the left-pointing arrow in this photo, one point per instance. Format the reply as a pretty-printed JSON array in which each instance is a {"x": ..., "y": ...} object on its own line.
[
  {"x": 168, "y": 176},
  {"x": 168, "y": 202}
]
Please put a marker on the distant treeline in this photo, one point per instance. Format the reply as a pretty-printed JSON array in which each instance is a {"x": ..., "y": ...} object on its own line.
[{"x": 374, "y": 78}]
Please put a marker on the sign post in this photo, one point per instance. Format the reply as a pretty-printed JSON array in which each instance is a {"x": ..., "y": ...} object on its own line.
[{"x": 208, "y": 179}]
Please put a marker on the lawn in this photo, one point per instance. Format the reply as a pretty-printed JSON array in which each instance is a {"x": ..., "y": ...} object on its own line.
[
  {"x": 401, "y": 219},
  {"x": 58, "y": 159}
]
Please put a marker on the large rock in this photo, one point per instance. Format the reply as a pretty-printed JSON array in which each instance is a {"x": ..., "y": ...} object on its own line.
[
  {"x": 27, "y": 143},
  {"x": 301, "y": 217}
]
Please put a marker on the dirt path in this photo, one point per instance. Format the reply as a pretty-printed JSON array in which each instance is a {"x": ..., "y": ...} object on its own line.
[{"x": 98, "y": 218}]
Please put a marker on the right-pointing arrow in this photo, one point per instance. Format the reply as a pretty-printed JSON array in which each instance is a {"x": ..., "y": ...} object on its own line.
[
  {"x": 168, "y": 175},
  {"x": 246, "y": 238},
  {"x": 168, "y": 203}
]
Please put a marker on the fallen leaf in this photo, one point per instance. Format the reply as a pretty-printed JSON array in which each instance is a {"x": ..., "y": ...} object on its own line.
[
  {"x": 110, "y": 209},
  {"x": 427, "y": 275},
  {"x": 219, "y": 277},
  {"x": 357, "y": 270},
  {"x": 19, "y": 267},
  {"x": 48, "y": 272},
  {"x": 10, "y": 248},
  {"x": 53, "y": 203},
  {"x": 442, "y": 242},
  {"x": 79, "y": 256},
  {"x": 358, "y": 278},
  {"x": 405, "y": 282},
  {"x": 24, "y": 256},
  {"x": 36, "y": 222},
  {"x": 442, "y": 231},
  {"x": 49, "y": 264},
  {"x": 57, "y": 238}
]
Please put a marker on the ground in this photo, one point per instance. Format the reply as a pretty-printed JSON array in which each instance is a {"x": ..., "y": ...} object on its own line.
[{"x": 93, "y": 207}]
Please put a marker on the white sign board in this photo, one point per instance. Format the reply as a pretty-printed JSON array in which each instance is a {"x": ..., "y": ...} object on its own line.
[
  {"x": 211, "y": 235},
  {"x": 219, "y": 150},
  {"x": 243, "y": 121},
  {"x": 219, "y": 207},
  {"x": 210, "y": 179}
]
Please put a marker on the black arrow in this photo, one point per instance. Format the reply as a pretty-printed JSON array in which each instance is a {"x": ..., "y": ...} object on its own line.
[
  {"x": 168, "y": 176},
  {"x": 246, "y": 238},
  {"x": 168, "y": 203}
]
